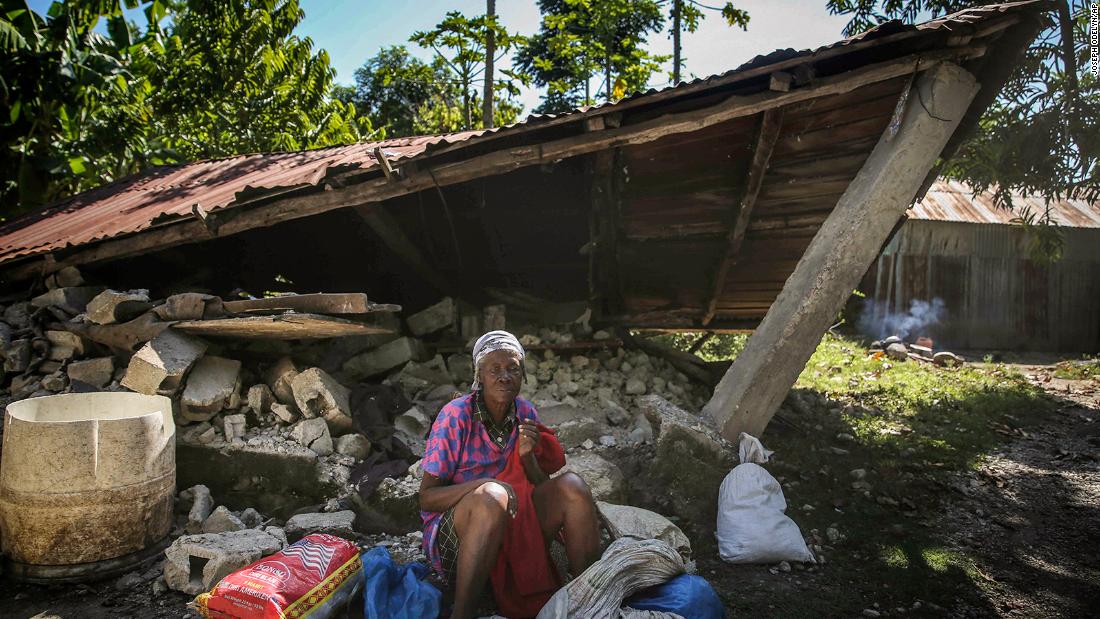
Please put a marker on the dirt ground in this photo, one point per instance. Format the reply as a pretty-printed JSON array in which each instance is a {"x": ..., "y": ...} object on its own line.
[{"x": 1016, "y": 536}]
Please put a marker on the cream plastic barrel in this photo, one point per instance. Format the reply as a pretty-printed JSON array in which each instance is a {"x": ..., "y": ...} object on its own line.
[{"x": 87, "y": 482}]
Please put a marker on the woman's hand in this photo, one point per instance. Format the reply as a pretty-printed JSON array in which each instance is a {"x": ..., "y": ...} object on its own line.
[{"x": 528, "y": 438}]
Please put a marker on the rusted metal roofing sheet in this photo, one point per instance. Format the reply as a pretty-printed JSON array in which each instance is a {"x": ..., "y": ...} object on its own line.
[
  {"x": 955, "y": 201},
  {"x": 169, "y": 193}
]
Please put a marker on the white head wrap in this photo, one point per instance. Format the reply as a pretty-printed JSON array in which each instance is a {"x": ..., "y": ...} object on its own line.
[{"x": 495, "y": 340}]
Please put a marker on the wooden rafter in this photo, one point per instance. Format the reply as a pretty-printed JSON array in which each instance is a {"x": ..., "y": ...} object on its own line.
[
  {"x": 771, "y": 122},
  {"x": 388, "y": 231}
]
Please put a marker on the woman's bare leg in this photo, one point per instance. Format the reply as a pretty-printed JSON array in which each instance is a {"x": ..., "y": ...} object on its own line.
[
  {"x": 480, "y": 520},
  {"x": 565, "y": 504}
]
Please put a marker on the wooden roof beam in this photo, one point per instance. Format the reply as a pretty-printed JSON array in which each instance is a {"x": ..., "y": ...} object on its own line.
[
  {"x": 386, "y": 228},
  {"x": 767, "y": 134}
]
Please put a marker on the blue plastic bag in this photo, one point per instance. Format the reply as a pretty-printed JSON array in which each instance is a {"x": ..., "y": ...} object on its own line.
[
  {"x": 397, "y": 591},
  {"x": 689, "y": 596}
]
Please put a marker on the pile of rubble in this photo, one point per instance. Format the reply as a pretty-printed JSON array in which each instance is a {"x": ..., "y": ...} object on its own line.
[{"x": 894, "y": 347}]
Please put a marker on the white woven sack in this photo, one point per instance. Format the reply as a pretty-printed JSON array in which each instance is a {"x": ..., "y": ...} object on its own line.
[{"x": 752, "y": 527}]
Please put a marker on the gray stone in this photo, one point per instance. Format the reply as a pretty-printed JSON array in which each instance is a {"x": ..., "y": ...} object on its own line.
[
  {"x": 461, "y": 367},
  {"x": 55, "y": 382},
  {"x": 616, "y": 414},
  {"x": 95, "y": 372},
  {"x": 607, "y": 440},
  {"x": 64, "y": 345},
  {"x": 17, "y": 356},
  {"x": 627, "y": 521},
  {"x": 635, "y": 386},
  {"x": 320, "y": 395},
  {"x": 574, "y": 433},
  {"x": 897, "y": 352},
  {"x": 340, "y": 524},
  {"x": 412, "y": 426},
  {"x": 946, "y": 359},
  {"x": 73, "y": 299},
  {"x": 279, "y": 377},
  {"x": 284, "y": 413},
  {"x": 416, "y": 378},
  {"x": 251, "y": 518},
  {"x": 110, "y": 307},
  {"x": 393, "y": 508},
  {"x": 558, "y": 414},
  {"x": 211, "y": 386},
  {"x": 234, "y": 427},
  {"x": 355, "y": 445},
  {"x": 435, "y": 318},
  {"x": 195, "y": 563},
  {"x": 160, "y": 365},
  {"x": 384, "y": 358},
  {"x": 222, "y": 520},
  {"x": 260, "y": 398},
  {"x": 18, "y": 315},
  {"x": 604, "y": 479},
  {"x": 65, "y": 278},
  {"x": 642, "y": 430},
  {"x": 493, "y": 318},
  {"x": 201, "y": 506},
  {"x": 314, "y": 434}
]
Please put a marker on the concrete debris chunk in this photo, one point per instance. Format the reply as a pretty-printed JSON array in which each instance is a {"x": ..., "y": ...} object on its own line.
[
  {"x": 190, "y": 306},
  {"x": 73, "y": 300},
  {"x": 17, "y": 356},
  {"x": 284, "y": 413},
  {"x": 160, "y": 365},
  {"x": 279, "y": 377},
  {"x": 201, "y": 506},
  {"x": 195, "y": 563},
  {"x": 18, "y": 315},
  {"x": 897, "y": 351},
  {"x": 319, "y": 395},
  {"x": 573, "y": 434},
  {"x": 314, "y": 434},
  {"x": 412, "y": 426},
  {"x": 461, "y": 368},
  {"x": 260, "y": 399},
  {"x": 616, "y": 414},
  {"x": 96, "y": 372},
  {"x": 557, "y": 414},
  {"x": 947, "y": 359},
  {"x": 211, "y": 387},
  {"x": 234, "y": 427},
  {"x": 642, "y": 430},
  {"x": 339, "y": 524},
  {"x": 64, "y": 345},
  {"x": 604, "y": 478},
  {"x": 110, "y": 307},
  {"x": 251, "y": 518},
  {"x": 384, "y": 358},
  {"x": 55, "y": 382},
  {"x": 355, "y": 445},
  {"x": 222, "y": 520},
  {"x": 417, "y": 377},
  {"x": 393, "y": 508},
  {"x": 627, "y": 521},
  {"x": 493, "y": 317},
  {"x": 434, "y": 318}
]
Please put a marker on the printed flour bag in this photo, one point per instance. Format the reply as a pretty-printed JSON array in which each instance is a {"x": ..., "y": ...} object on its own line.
[{"x": 313, "y": 577}]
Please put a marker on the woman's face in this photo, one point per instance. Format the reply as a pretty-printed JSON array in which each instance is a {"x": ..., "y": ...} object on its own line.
[{"x": 501, "y": 375}]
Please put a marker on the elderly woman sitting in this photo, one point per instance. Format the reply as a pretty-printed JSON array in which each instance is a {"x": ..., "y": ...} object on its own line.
[{"x": 468, "y": 513}]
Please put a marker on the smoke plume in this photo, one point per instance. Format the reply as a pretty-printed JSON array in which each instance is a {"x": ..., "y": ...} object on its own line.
[{"x": 877, "y": 321}]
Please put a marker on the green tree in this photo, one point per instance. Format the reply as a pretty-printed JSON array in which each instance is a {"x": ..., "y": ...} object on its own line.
[
  {"x": 581, "y": 39},
  {"x": 405, "y": 95},
  {"x": 686, "y": 15},
  {"x": 461, "y": 42},
  {"x": 1041, "y": 135}
]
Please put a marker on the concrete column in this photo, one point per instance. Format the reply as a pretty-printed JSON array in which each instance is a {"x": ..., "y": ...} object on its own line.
[{"x": 759, "y": 379}]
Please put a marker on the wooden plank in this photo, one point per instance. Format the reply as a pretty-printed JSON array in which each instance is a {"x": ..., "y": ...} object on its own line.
[
  {"x": 840, "y": 253},
  {"x": 245, "y": 217},
  {"x": 281, "y": 327},
  {"x": 771, "y": 123},
  {"x": 319, "y": 303},
  {"x": 128, "y": 336}
]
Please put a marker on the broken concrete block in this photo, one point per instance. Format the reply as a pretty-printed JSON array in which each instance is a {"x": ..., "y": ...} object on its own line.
[
  {"x": 95, "y": 372},
  {"x": 604, "y": 479},
  {"x": 260, "y": 399},
  {"x": 73, "y": 300},
  {"x": 416, "y": 377},
  {"x": 284, "y": 413},
  {"x": 18, "y": 315},
  {"x": 642, "y": 431},
  {"x": 355, "y": 445},
  {"x": 313, "y": 433},
  {"x": 65, "y": 278},
  {"x": 320, "y": 395},
  {"x": 55, "y": 382},
  {"x": 195, "y": 563},
  {"x": 384, "y": 358},
  {"x": 201, "y": 506},
  {"x": 573, "y": 434},
  {"x": 50, "y": 366},
  {"x": 339, "y": 524},
  {"x": 210, "y": 387},
  {"x": 190, "y": 306},
  {"x": 234, "y": 427},
  {"x": 615, "y": 413},
  {"x": 461, "y": 368},
  {"x": 222, "y": 520},
  {"x": 411, "y": 427},
  {"x": 251, "y": 518},
  {"x": 394, "y": 507},
  {"x": 279, "y": 376},
  {"x": 493, "y": 317},
  {"x": 17, "y": 356},
  {"x": 160, "y": 365},
  {"x": 558, "y": 414},
  {"x": 64, "y": 345},
  {"x": 434, "y": 318},
  {"x": 110, "y": 307},
  {"x": 627, "y": 521}
]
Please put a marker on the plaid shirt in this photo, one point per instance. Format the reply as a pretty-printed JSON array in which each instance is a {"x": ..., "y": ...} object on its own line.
[{"x": 459, "y": 450}]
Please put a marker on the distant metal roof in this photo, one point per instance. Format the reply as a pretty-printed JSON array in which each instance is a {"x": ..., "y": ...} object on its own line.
[
  {"x": 168, "y": 194},
  {"x": 950, "y": 200}
]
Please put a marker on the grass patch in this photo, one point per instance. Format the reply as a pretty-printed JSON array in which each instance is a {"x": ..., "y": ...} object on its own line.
[{"x": 1079, "y": 369}]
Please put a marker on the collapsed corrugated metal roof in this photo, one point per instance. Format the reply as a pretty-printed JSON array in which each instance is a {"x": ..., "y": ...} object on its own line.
[
  {"x": 950, "y": 200},
  {"x": 168, "y": 195}
]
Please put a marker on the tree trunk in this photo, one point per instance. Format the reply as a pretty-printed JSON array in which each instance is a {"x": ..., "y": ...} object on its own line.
[
  {"x": 1069, "y": 65},
  {"x": 676, "y": 41},
  {"x": 490, "y": 51}
]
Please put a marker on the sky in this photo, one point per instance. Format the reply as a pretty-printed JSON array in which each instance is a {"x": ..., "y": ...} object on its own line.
[{"x": 354, "y": 30}]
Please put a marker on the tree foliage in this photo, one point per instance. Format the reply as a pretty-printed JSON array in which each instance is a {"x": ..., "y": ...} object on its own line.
[
  {"x": 1041, "y": 136},
  {"x": 80, "y": 108},
  {"x": 581, "y": 39},
  {"x": 685, "y": 15}
]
